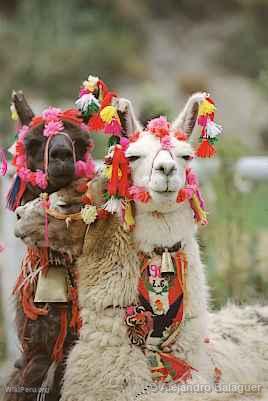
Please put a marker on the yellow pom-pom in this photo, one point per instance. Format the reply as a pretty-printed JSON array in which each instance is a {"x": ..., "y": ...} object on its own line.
[
  {"x": 108, "y": 113},
  {"x": 89, "y": 214},
  {"x": 91, "y": 83},
  {"x": 14, "y": 114},
  {"x": 206, "y": 108}
]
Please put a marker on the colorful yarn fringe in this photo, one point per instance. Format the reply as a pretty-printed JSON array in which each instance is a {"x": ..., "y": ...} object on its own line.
[{"x": 209, "y": 131}]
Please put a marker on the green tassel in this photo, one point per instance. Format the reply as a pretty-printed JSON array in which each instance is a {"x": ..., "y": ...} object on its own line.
[{"x": 113, "y": 140}]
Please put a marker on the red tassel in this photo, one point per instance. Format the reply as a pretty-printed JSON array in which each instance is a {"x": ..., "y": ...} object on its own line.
[
  {"x": 119, "y": 185},
  {"x": 30, "y": 310},
  {"x": 58, "y": 347},
  {"x": 182, "y": 196},
  {"x": 95, "y": 123},
  {"x": 206, "y": 149}
]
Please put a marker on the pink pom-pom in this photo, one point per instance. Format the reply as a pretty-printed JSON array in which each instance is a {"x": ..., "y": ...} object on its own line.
[
  {"x": 51, "y": 114},
  {"x": 124, "y": 142},
  {"x": 20, "y": 161},
  {"x": 83, "y": 91},
  {"x": 24, "y": 174},
  {"x": 53, "y": 128},
  {"x": 166, "y": 142},
  {"x": 23, "y": 132},
  {"x": 159, "y": 126},
  {"x": 2, "y": 247},
  {"x": 85, "y": 169},
  {"x": 41, "y": 179},
  {"x": 113, "y": 128},
  {"x": 202, "y": 120},
  {"x": 139, "y": 194}
]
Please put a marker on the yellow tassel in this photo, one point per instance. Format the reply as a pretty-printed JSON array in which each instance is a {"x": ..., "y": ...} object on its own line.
[
  {"x": 129, "y": 219},
  {"x": 14, "y": 114},
  {"x": 109, "y": 170},
  {"x": 108, "y": 113},
  {"x": 206, "y": 108},
  {"x": 200, "y": 213}
]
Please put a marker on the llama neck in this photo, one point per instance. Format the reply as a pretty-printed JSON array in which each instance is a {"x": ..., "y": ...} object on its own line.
[{"x": 153, "y": 230}]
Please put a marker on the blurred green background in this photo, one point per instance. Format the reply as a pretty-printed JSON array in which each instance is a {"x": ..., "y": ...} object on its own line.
[{"x": 157, "y": 53}]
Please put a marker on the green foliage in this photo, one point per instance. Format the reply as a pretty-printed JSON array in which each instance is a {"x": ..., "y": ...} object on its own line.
[
  {"x": 47, "y": 48},
  {"x": 237, "y": 223}
]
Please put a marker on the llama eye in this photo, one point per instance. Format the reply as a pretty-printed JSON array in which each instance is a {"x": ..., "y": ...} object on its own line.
[
  {"x": 133, "y": 158},
  {"x": 187, "y": 157}
]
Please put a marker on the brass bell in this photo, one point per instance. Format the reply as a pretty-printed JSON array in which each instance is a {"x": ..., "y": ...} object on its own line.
[
  {"x": 167, "y": 265},
  {"x": 52, "y": 286}
]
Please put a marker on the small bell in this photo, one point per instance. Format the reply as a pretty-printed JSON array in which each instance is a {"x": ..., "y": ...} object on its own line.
[
  {"x": 167, "y": 266},
  {"x": 52, "y": 287}
]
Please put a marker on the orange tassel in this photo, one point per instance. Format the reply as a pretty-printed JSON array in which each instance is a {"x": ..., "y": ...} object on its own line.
[
  {"x": 206, "y": 149},
  {"x": 57, "y": 353}
]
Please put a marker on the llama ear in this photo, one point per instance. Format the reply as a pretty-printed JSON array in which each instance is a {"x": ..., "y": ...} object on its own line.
[
  {"x": 22, "y": 107},
  {"x": 187, "y": 118},
  {"x": 127, "y": 116}
]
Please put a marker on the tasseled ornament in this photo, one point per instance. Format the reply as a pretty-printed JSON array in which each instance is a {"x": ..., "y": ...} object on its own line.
[
  {"x": 129, "y": 221},
  {"x": 108, "y": 113},
  {"x": 3, "y": 162},
  {"x": 118, "y": 184},
  {"x": 206, "y": 149},
  {"x": 13, "y": 111},
  {"x": 210, "y": 130},
  {"x": 95, "y": 123},
  {"x": 15, "y": 193},
  {"x": 113, "y": 128},
  {"x": 113, "y": 205},
  {"x": 200, "y": 214}
]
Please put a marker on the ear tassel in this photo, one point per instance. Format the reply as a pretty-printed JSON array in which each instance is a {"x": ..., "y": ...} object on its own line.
[
  {"x": 15, "y": 193},
  {"x": 206, "y": 149},
  {"x": 210, "y": 130}
]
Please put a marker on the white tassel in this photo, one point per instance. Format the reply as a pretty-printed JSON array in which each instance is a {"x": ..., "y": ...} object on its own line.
[
  {"x": 213, "y": 129},
  {"x": 113, "y": 205},
  {"x": 85, "y": 100}
]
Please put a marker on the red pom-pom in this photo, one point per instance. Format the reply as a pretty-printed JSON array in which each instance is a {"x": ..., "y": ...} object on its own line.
[
  {"x": 206, "y": 149},
  {"x": 182, "y": 196},
  {"x": 95, "y": 123},
  {"x": 134, "y": 136},
  {"x": 181, "y": 136}
]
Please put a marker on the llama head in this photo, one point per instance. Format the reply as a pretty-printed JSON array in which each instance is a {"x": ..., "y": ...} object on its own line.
[
  {"x": 51, "y": 148},
  {"x": 159, "y": 155}
]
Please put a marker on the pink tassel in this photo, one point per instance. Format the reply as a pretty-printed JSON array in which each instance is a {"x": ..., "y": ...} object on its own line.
[
  {"x": 113, "y": 128},
  {"x": 3, "y": 161},
  {"x": 85, "y": 169}
]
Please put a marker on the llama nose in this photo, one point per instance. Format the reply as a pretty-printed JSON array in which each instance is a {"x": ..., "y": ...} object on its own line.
[{"x": 167, "y": 167}]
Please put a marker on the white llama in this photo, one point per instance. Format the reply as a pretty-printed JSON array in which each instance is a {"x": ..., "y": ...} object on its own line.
[{"x": 228, "y": 347}]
